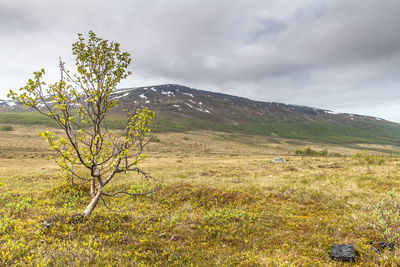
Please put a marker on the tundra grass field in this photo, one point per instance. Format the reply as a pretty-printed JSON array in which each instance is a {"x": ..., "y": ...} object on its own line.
[{"x": 222, "y": 203}]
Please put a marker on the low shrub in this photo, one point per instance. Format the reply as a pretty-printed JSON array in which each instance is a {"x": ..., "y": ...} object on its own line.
[
  {"x": 155, "y": 140},
  {"x": 6, "y": 128},
  {"x": 6, "y": 223},
  {"x": 384, "y": 217},
  {"x": 335, "y": 154},
  {"x": 311, "y": 152},
  {"x": 368, "y": 160}
]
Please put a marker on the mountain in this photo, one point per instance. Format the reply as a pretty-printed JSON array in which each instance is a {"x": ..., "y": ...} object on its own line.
[
  {"x": 10, "y": 105},
  {"x": 180, "y": 101},
  {"x": 181, "y": 108}
]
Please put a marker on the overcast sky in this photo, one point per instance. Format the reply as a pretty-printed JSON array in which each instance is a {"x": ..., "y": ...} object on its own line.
[{"x": 342, "y": 55}]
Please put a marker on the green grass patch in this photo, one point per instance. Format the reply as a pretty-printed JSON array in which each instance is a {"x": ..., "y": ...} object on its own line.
[
  {"x": 26, "y": 118},
  {"x": 6, "y": 128},
  {"x": 345, "y": 133},
  {"x": 369, "y": 132}
]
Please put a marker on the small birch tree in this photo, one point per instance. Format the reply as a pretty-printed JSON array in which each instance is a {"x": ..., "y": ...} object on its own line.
[{"x": 78, "y": 103}]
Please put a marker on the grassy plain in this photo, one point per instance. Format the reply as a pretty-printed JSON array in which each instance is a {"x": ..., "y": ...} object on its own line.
[
  {"x": 223, "y": 203},
  {"x": 363, "y": 132}
]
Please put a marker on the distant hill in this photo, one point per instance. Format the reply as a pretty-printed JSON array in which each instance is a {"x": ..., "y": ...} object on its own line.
[
  {"x": 181, "y": 108},
  {"x": 181, "y": 101}
]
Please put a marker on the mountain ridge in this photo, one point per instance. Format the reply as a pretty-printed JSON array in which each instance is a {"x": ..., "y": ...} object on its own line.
[
  {"x": 194, "y": 103},
  {"x": 139, "y": 96},
  {"x": 181, "y": 108}
]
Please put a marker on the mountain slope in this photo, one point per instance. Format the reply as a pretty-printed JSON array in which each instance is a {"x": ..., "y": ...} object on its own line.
[
  {"x": 185, "y": 102},
  {"x": 181, "y": 108}
]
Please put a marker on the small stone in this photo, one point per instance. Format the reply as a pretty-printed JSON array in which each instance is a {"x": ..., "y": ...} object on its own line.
[
  {"x": 344, "y": 252},
  {"x": 383, "y": 245},
  {"x": 278, "y": 160},
  {"x": 46, "y": 224}
]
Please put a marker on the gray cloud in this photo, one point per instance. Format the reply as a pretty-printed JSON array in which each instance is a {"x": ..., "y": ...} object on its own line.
[{"x": 340, "y": 55}]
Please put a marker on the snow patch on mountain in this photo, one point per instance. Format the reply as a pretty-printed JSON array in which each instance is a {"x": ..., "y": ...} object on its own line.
[
  {"x": 191, "y": 95},
  {"x": 126, "y": 94},
  {"x": 167, "y": 93},
  {"x": 330, "y": 112},
  {"x": 203, "y": 110},
  {"x": 9, "y": 103}
]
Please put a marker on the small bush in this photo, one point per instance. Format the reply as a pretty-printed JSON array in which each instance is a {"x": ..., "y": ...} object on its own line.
[
  {"x": 6, "y": 223},
  {"x": 324, "y": 152},
  {"x": 335, "y": 154},
  {"x": 224, "y": 215},
  {"x": 155, "y": 139},
  {"x": 364, "y": 158},
  {"x": 385, "y": 217},
  {"x": 19, "y": 207},
  {"x": 69, "y": 196},
  {"x": 139, "y": 188},
  {"x": 311, "y": 152},
  {"x": 6, "y": 128}
]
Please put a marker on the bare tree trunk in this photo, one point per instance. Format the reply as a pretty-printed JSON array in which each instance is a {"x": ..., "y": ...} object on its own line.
[
  {"x": 93, "y": 203},
  {"x": 93, "y": 188}
]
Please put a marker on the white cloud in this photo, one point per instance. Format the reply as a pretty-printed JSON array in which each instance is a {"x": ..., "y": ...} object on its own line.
[{"x": 341, "y": 55}]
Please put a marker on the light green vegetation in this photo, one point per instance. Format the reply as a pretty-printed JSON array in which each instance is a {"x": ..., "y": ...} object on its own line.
[
  {"x": 6, "y": 128},
  {"x": 223, "y": 203},
  {"x": 349, "y": 134}
]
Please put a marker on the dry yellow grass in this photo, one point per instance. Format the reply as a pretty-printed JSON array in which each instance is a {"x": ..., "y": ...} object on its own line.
[{"x": 223, "y": 203}]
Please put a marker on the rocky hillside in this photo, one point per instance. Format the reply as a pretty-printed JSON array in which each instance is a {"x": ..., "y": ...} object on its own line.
[
  {"x": 180, "y": 101},
  {"x": 181, "y": 108}
]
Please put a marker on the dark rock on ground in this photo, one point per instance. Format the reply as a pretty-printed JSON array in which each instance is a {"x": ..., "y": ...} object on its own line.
[
  {"x": 387, "y": 245},
  {"x": 343, "y": 252},
  {"x": 381, "y": 246}
]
